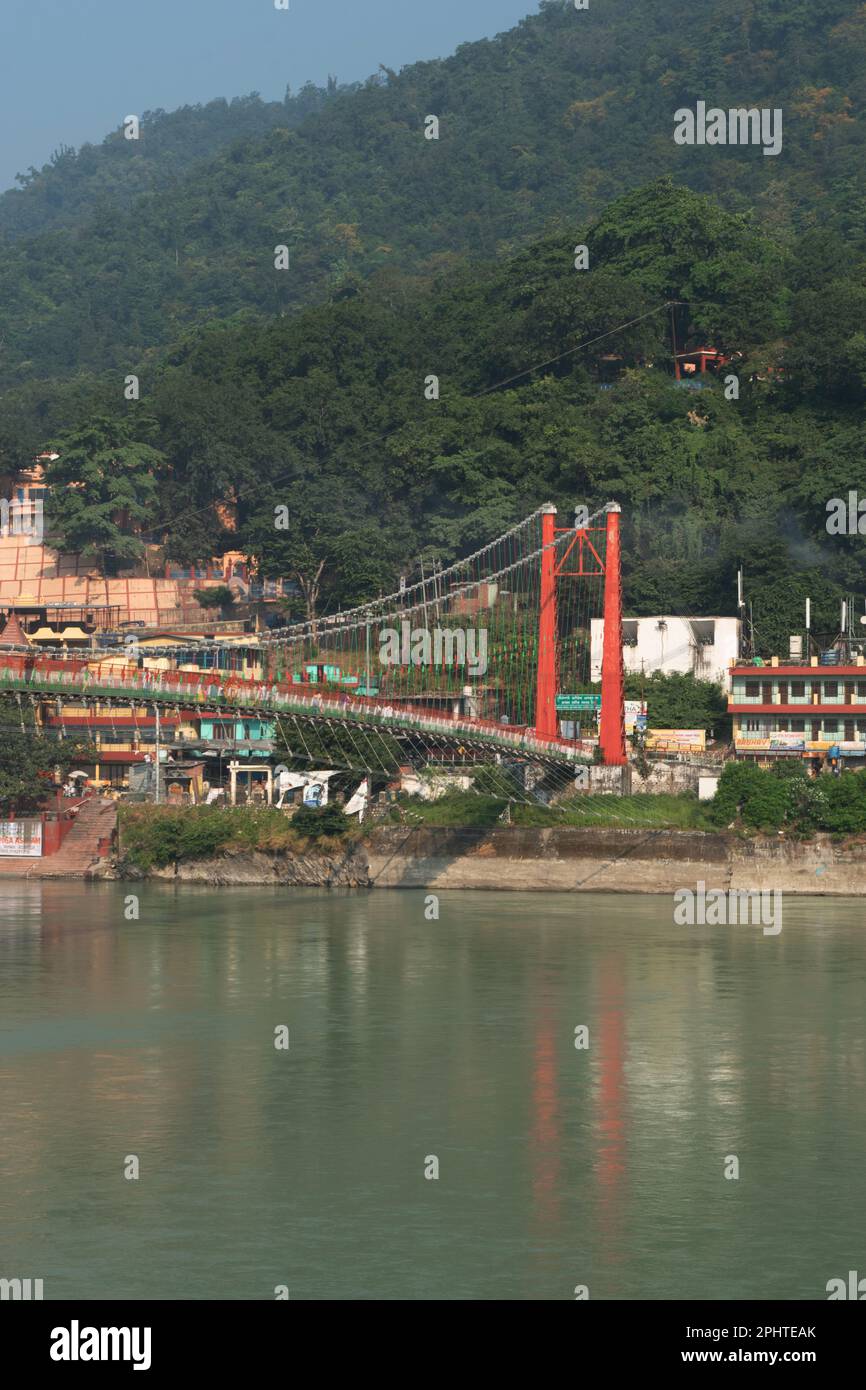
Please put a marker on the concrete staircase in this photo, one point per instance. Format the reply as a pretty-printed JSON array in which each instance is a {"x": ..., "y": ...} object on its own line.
[{"x": 84, "y": 846}]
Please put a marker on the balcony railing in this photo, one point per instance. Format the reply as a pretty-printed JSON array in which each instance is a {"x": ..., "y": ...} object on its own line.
[{"x": 739, "y": 697}]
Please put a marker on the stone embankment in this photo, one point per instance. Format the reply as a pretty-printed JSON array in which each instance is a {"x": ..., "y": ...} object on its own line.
[{"x": 560, "y": 860}]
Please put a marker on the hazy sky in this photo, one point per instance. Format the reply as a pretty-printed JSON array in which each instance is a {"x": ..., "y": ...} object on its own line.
[{"x": 70, "y": 70}]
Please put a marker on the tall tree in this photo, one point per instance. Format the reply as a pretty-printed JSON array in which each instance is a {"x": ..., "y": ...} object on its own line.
[
  {"x": 30, "y": 759},
  {"x": 104, "y": 487}
]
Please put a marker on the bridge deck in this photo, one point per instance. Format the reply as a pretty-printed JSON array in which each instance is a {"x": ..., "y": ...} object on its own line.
[{"x": 250, "y": 698}]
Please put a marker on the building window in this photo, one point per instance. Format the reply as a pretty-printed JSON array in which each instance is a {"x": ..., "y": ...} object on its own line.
[
  {"x": 831, "y": 726},
  {"x": 798, "y": 726},
  {"x": 752, "y": 726},
  {"x": 753, "y": 690},
  {"x": 783, "y": 726},
  {"x": 831, "y": 690},
  {"x": 704, "y": 630},
  {"x": 861, "y": 690},
  {"x": 798, "y": 690}
]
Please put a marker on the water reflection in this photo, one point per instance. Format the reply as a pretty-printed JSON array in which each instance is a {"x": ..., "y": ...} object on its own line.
[{"x": 410, "y": 1037}]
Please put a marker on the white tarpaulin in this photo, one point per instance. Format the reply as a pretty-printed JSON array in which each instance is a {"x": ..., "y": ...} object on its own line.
[
  {"x": 316, "y": 789},
  {"x": 357, "y": 804},
  {"x": 315, "y": 785},
  {"x": 287, "y": 781}
]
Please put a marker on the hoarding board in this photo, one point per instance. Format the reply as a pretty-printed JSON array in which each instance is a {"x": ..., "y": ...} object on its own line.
[
  {"x": 790, "y": 741},
  {"x": 21, "y": 839},
  {"x": 635, "y": 715},
  {"x": 848, "y": 749},
  {"x": 681, "y": 740}
]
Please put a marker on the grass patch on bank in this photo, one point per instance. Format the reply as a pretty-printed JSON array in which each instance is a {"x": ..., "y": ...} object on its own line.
[
  {"x": 666, "y": 812},
  {"x": 152, "y": 837},
  {"x": 663, "y": 812}
]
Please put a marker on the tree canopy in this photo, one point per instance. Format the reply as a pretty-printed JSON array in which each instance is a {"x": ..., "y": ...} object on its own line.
[
  {"x": 31, "y": 759},
  {"x": 103, "y": 484},
  {"x": 541, "y": 128}
]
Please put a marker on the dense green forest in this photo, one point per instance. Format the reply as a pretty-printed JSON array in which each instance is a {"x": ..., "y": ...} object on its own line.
[
  {"x": 540, "y": 129},
  {"x": 305, "y": 388},
  {"x": 326, "y": 414},
  {"x": 76, "y": 187}
]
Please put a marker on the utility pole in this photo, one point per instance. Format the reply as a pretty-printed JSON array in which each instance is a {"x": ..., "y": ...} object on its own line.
[
  {"x": 367, "y": 664},
  {"x": 157, "y": 752},
  {"x": 424, "y": 591}
]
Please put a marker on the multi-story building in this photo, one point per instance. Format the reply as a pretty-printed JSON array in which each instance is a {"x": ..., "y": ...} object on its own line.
[
  {"x": 123, "y": 736},
  {"x": 706, "y": 647},
  {"x": 811, "y": 711}
]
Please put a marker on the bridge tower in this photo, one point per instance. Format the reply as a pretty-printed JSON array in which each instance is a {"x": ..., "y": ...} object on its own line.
[
  {"x": 612, "y": 724},
  {"x": 589, "y": 562},
  {"x": 547, "y": 673}
]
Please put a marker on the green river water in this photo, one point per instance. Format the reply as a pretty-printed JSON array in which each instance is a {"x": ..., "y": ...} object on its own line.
[{"x": 412, "y": 1040}]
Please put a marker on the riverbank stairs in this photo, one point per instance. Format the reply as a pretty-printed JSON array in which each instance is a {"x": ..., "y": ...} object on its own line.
[{"x": 87, "y": 844}]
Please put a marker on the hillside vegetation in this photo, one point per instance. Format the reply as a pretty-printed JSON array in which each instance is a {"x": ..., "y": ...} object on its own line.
[
  {"x": 541, "y": 127},
  {"x": 305, "y": 389},
  {"x": 325, "y": 414},
  {"x": 75, "y": 186}
]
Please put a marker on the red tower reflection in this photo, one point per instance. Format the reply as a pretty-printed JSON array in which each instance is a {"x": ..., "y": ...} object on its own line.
[
  {"x": 545, "y": 1132},
  {"x": 610, "y": 1123}
]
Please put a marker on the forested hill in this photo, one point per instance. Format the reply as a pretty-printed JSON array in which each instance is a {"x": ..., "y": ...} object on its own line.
[
  {"x": 111, "y": 176},
  {"x": 540, "y": 128},
  {"x": 324, "y": 414}
]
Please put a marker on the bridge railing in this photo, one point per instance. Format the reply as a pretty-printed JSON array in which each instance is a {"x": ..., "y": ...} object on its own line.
[{"x": 184, "y": 687}]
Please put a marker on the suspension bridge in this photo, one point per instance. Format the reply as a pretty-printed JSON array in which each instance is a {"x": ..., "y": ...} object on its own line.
[{"x": 462, "y": 669}]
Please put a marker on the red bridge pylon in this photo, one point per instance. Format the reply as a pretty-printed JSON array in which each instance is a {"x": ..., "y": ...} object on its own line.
[{"x": 588, "y": 562}]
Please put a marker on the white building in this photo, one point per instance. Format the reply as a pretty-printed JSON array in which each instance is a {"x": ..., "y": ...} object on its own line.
[{"x": 704, "y": 646}]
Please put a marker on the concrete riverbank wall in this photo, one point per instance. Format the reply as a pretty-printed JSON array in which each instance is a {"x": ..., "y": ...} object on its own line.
[{"x": 550, "y": 860}]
